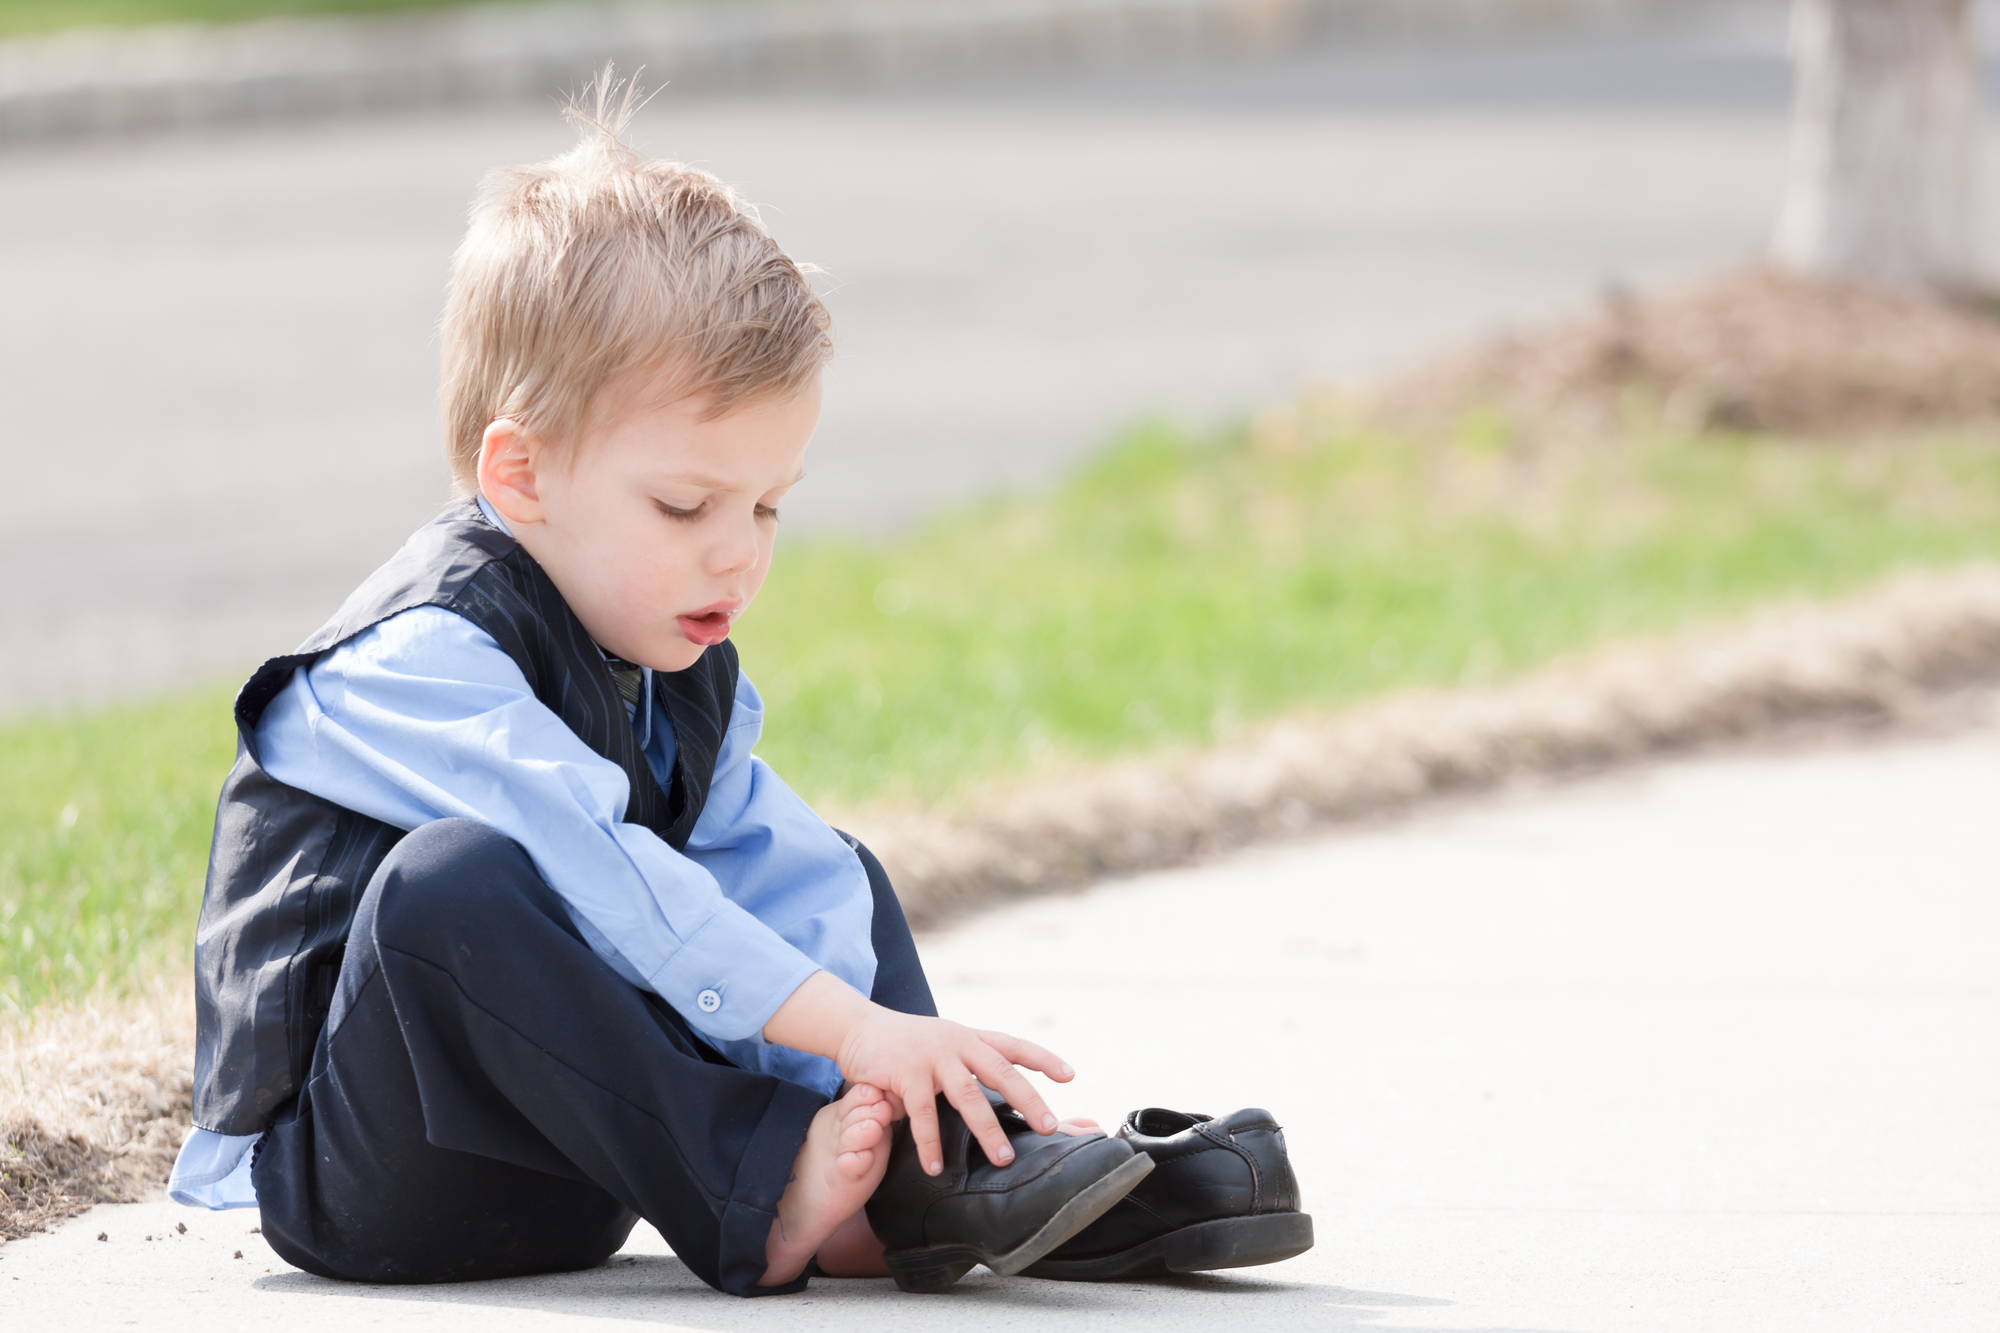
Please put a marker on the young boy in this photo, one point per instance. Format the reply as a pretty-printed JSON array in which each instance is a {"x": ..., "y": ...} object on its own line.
[{"x": 508, "y": 937}]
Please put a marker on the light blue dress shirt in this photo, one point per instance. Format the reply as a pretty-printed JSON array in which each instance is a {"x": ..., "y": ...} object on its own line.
[{"x": 424, "y": 717}]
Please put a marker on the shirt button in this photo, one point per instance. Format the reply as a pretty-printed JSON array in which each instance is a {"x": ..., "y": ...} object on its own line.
[{"x": 708, "y": 1001}]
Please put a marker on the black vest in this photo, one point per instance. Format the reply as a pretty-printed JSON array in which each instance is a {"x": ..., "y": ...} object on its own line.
[{"x": 287, "y": 868}]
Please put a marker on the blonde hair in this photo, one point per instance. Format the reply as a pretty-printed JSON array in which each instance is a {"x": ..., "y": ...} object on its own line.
[{"x": 601, "y": 263}]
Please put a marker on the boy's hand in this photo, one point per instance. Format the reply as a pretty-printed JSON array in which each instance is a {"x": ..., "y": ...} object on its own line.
[{"x": 913, "y": 1059}]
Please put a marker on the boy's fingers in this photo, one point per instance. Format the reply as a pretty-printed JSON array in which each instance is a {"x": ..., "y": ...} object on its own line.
[
  {"x": 1006, "y": 1080},
  {"x": 962, "y": 1090},
  {"x": 1030, "y": 1056},
  {"x": 922, "y": 1109}
]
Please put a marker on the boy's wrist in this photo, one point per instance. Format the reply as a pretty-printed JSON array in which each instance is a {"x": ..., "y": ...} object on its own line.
[{"x": 818, "y": 1016}]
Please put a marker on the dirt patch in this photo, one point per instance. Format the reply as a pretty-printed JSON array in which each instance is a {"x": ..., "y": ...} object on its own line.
[
  {"x": 1756, "y": 349},
  {"x": 94, "y": 1102}
]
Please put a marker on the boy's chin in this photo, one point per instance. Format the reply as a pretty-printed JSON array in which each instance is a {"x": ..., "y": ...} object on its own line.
[{"x": 676, "y": 654}]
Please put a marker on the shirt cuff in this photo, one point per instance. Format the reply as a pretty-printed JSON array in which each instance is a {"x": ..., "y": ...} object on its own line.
[
  {"x": 730, "y": 976},
  {"x": 213, "y": 1171}
]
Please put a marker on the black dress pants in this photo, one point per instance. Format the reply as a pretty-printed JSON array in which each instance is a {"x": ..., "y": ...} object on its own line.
[{"x": 490, "y": 1099}]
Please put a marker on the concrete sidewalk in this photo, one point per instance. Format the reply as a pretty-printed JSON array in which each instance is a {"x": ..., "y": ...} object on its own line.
[{"x": 1707, "y": 1046}]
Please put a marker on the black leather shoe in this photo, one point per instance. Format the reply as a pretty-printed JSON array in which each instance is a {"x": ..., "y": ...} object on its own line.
[
  {"x": 935, "y": 1228},
  {"x": 1223, "y": 1196}
]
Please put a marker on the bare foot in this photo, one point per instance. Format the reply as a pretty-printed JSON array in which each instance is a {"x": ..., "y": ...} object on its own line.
[
  {"x": 838, "y": 1167},
  {"x": 853, "y": 1251}
]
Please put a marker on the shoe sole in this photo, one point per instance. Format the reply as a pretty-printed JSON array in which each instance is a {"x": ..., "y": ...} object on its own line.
[
  {"x": 1229, "y": 1242},
  {"x": 935, "y": 1267}
]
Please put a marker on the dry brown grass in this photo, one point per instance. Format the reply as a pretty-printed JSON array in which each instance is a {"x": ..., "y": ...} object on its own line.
[
  {"x": 94, "y": 1101},
  {"x": 1755, "y": 349}
]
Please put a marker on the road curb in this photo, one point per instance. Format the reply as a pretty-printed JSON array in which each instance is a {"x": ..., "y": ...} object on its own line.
[
  {"x": 1905, "y": 652},
  {"x": 108, "y": 80}
]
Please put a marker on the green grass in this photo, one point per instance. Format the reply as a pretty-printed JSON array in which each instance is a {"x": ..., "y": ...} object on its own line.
[
  {"x": 1176, "y": 589},
  {"x": 104, "y": 827}
]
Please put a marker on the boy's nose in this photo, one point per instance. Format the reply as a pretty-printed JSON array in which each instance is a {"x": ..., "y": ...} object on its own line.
[{"x": 733, "y": 555}]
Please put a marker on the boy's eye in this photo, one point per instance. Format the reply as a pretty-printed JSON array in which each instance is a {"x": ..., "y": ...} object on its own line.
[
  {"x": 684, "y": 515},
  {"x": 768, "y": 511}
]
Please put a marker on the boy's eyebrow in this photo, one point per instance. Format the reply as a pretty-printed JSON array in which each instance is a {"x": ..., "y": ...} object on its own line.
[{"x": 709, "y": 483}]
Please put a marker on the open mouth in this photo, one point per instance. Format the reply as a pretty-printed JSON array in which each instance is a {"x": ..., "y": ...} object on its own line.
[{"x": 706, "y": 627}]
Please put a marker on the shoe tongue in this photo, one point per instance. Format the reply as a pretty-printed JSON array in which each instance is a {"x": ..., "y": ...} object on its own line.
[{"x": 1157, "y": 1122}]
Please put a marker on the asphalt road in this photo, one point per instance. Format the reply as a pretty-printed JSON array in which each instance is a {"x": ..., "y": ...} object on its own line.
[
  {"x": 1707, "y": 1046},
  {"x": 217, "y": 358}
]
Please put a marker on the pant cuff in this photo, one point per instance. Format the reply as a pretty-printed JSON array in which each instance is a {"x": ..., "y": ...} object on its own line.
[{"x": 761, "y": 1178}]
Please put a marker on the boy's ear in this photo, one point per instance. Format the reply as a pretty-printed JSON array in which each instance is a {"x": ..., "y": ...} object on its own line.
[{"x": 507, "y": 472}]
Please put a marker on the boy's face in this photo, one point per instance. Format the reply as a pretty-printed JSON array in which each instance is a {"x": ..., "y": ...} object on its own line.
[{"x": 657, "y": 526}]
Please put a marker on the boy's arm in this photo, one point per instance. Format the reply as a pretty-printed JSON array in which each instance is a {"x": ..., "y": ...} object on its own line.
[
  {"x": 774, "y": 855},
  {"x": 796, "y": 874},
  {"x": 798, "y": 877},
  {"x": 424, "y": 717}
]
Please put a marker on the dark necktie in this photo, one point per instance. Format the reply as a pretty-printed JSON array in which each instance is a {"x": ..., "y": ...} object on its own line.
[{"x": 629, "y": 679}]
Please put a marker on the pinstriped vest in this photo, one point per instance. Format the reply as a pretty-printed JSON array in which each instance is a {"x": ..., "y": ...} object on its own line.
[{"x": 287, "y": 868}]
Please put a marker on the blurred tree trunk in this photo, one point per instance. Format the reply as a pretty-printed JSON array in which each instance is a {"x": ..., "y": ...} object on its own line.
[{"x": 1884, "y": 144}]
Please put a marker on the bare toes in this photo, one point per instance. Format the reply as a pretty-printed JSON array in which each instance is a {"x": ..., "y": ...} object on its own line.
[
  {"x": 859, "y": 1096},
  {"x": 874, "y": 1113},
  {"x": 860, "y": 1136}
]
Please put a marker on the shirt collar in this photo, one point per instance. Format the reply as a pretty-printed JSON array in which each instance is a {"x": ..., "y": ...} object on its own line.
[{"x": 493, "y": 515}]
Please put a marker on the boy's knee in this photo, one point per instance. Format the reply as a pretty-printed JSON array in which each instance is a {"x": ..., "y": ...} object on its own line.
[
  {"x": 445, "y": 875},
  {"x": 900, "y": 983}
]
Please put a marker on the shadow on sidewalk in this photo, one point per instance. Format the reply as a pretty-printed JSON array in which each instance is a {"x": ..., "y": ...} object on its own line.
[{"x": 659, "y": 1288}]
